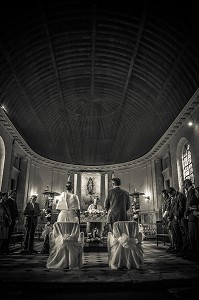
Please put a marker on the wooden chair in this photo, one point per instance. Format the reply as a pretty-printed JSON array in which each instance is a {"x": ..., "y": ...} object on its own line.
[{"x": 161, "y": 232}]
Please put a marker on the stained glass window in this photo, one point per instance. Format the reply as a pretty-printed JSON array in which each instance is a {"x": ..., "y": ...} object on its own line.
[{"x": 187, "y": 163}]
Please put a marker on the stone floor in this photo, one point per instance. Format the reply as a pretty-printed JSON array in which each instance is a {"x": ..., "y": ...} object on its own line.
[{"x": 163, "y": 275}]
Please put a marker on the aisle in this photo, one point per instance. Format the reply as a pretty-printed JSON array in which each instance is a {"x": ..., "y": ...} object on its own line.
[
  {"x": 158, "y": 266},
  {"x": 162, "y": 273}
]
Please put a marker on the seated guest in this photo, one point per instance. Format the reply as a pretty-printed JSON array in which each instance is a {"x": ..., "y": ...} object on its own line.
[
  {"x": 95, "y": 227},
  {"x": 45, "y": 235},
  {"x": 31, "y": 212}
]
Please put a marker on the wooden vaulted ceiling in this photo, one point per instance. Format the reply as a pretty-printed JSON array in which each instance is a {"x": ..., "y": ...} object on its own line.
[{"x": 96, "y": 82}]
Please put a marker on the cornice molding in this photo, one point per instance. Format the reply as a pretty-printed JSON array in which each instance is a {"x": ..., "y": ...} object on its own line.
[{"x": 182, "y": 118}]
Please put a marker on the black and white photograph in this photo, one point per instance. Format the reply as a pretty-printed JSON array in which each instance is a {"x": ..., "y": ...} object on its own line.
[{"x": 99, "y": 149}]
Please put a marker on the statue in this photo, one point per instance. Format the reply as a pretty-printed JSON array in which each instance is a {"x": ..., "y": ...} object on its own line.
[{"x": 90, "y": 186}]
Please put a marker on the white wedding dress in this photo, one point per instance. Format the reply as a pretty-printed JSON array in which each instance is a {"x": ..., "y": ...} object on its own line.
[{"x": 68, "y": 204}]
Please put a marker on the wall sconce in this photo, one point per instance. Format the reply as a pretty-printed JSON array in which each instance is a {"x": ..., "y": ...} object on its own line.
[
  {"x": 147, "y": 198},
  {"x": 190, "y": 123},
  {"x": 47, "y": 188},
  {"x": 34, "y": 195}
]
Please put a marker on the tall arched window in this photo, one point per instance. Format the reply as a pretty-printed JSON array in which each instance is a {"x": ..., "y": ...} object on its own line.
[
  {"x": 187, "y": 162},
  {"x": 2, "y": 159}
]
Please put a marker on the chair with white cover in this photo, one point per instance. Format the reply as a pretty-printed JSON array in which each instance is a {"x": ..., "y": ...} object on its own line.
[
  {"x": 125, "y": 246},
  {"x": 66, "y": 246}
]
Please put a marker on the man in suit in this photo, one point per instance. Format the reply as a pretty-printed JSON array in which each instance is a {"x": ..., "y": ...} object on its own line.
[
  {"x": 117, "y": 203},
  {"x": 178, "y": 222},
  {"x": 32, "y": 212},
  {"x": 12, "y": 205},
  {"x": 5, "y": 221},
  {"x": 192, "y": 203}
]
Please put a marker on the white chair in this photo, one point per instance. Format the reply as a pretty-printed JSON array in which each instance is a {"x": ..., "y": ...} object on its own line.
[
  {"x": 125, "y": 246},
  {"x": 66, "y": 246}
]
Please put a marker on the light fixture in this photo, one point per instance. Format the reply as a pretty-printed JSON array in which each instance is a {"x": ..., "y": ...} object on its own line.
[
  {"x": 3, "y": 107},
  {"x": 190, "y": 123},
  {"x": 147, "y": 196},
  {"x": 34, "y": 195}
]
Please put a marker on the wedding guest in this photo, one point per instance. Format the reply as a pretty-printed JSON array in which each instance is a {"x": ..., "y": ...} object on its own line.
[
  {"x": 178, "y": 222},
  {"x": 12, "y": 204},
  {"x": 117, "y": 203},
  {"x": 196, "y": 214},
  {"x": 166, "y": 206},
  {"x": 5, "y": 221},
  {"x": 32, "y": 212},
  {"x": 192, "y": 202}
]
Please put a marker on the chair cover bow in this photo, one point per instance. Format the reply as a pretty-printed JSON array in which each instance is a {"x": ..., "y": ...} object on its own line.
[
  {"x": 66, "y": 246},
  {"x": 125, "y": 241},
  {"x": 125, "y": 246},
  {"x": 68, "y": 239}
]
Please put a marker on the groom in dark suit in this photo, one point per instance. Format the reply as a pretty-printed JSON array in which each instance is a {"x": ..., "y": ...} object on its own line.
[{"x": 117, "y": 203}]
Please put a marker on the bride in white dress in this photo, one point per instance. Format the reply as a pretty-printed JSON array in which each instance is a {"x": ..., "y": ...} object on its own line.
[
  {"x": 66, "y": 242},
  {"x": 68, "y": 206}
]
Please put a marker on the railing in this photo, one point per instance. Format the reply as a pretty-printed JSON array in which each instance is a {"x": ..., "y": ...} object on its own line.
[
  {"x": 149, "y": 230},
  {"x": 161, "y": 232},
  {"x": 18, "y": 234}
]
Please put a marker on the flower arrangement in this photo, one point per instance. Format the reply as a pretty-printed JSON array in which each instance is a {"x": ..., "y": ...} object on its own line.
[
  {"x": 46, "y": 214},
  {"x": 135, "y": 209},
  {"x": 95, "y": 213}
]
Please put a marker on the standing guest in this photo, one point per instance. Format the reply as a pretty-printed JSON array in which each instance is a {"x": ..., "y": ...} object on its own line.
[
  {"x": 12, "y": 204},
  {"x": 68, "y": 206},
  {"x": 166, "y": 206},
  {"x": 32, "y": 212},
  {"x": 196, "y": 213},
  {"x": 5, "y": 221},
  {"x": 178, "y": 222},
  {"x": 117, "y": 203},
  {"x": 192, "y": 201}
]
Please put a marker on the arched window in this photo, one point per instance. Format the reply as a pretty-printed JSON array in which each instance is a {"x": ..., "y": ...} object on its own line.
[
  {"x": 187, "y": 162},
  {"x": 2, "y": 159}
]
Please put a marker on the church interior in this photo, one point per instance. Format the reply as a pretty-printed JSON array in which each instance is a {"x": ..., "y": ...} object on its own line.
[{"x": 92, "y": 90}]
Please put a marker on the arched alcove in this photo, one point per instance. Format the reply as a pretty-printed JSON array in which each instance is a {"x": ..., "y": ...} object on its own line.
[{"x": 2, "y": 159}]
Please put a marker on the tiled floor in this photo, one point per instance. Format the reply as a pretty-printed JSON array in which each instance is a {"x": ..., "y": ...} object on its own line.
[{"x": 163, "y": 274}]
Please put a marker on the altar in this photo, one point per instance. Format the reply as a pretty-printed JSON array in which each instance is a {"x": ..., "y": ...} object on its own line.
[
  {"x": 93, "y": 217},
  {"x": 95, "y": 227}
]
